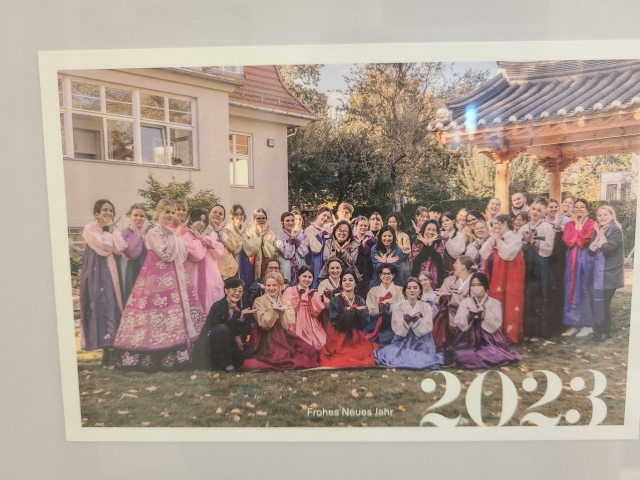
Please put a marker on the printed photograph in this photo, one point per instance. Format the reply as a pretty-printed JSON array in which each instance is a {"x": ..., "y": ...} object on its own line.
[{"x": 355, "y": 245}]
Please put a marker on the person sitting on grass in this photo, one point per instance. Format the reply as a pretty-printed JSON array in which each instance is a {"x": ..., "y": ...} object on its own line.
[
  {"x": 257, "y": 287},
  {"x": 223, "y": 341}
]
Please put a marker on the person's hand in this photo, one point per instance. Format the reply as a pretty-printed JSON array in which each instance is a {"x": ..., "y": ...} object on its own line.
[
  {"x": 415, "y": 226},
  {"x": 112, "y": 223},
  {"x": 310, "y": 293},
  {"x": 421, "y": 239},
  {"x": 363, "y": 307},
  {"x": 195, "y": 232},
  {"x": 248, "y": 311},
  {"x": 328, "y": 293},
  {"x": 528, "y": 236},
  {"x": 379, "y": 258},
  {"x": 392, "y": 259},
  {"x": 261, "y": 285}
]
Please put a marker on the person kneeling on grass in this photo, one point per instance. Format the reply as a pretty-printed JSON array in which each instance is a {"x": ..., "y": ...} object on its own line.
[{"x": 223, "y": 341}]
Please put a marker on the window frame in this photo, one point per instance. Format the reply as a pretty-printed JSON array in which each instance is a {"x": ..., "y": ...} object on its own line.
[
  {"x": 136, "y": 119},
  {"x": 233, "y": 156}
]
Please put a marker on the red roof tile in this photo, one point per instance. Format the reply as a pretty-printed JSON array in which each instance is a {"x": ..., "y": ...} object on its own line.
[{"x": 263, "y": 88}]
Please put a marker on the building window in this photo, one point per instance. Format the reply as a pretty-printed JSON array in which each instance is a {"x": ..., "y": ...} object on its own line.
[
  {"x": 238, "y": 70},
  {"x": 240, "y": 160},
  {"x": 108, "y": 122},
  {"x": 612, "y": 192}
]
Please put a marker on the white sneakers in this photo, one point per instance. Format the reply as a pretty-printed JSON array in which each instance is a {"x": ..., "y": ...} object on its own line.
[{"x": 583, "y": 332}]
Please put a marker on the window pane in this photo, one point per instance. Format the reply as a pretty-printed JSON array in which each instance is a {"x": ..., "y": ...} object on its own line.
[
  {"x": 118, "y": 94},
  {"x": 242, "y": 171},
  {"x": 60, "y": 96},
  {"x": 119, "y": 108},
  {"x": 149, "y": 100},
  {"x": 153, "y": 142},
  {"x": 179, "y": 117},
  {"x": 230, "y": 143},
  {"x": 242, "y": 145},
  {"x": 87, "y": 137},
  {"x": 120, "y": 140},
  {"x": 85, "y": 96},
  {"x": 181, "y": 147},
  {"x": 64, "y": 137},
  {"x": 231, "y": 172},
  {"x": 180, "y": 105},
  {"x": 152, "y": 113}
]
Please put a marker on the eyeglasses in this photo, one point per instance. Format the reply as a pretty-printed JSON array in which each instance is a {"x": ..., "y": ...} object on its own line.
[
  {"x": 277, "y": 269},
  {"x": 385, "y": 274},
  {"x": 261, "y": 218},
  {"x": 346, "y": 232},
  {"x": 236, "y": 290}
]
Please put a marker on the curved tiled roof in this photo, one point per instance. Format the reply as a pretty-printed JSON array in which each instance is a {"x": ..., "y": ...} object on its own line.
[
  {"x": 263, "y": 89},
  {"x": 536, "y": 91}
]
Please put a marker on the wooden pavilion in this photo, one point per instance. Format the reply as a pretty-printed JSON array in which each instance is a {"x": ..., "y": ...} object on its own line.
[{"x": 554, "y": 111}]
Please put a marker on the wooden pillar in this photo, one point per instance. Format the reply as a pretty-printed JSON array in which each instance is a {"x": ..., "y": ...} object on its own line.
[
  {"x": 555, "y": 184},
  {"x": 502, "y": 186}
]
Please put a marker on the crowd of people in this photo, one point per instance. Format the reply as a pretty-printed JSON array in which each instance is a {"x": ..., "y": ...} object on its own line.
[{"x": 450, "y": 288}]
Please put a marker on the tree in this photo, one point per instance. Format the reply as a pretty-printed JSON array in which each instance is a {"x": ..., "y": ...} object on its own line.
[
  {"x": 302, "y": 82},
  {"x": 525, "y": 175},
  {"x": 583, "y": 178},
  {"x": 156, "y": 190}
]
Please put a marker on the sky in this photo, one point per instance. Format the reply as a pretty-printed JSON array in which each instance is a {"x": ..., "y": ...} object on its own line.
[{"x": 332, "y": 77}]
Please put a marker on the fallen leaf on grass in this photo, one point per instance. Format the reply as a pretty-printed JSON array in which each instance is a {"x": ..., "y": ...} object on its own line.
[
  {"x": 151, "y": 389},
  {"x": 250, "y": 405},
  {"x": 84, "y": 420},
  {"x": 609, "y": 396},
  {"x": 313, "y": 405},
  {"x": 107, "y": 393},
  {"x": 133, "y": 391},
  {"x": 334, "y": 375},
  {"x": 354, "y": 393},
  {"x": 128, "y": 395},
  {"x": 464, "y": 421},
  {"x": 368, "y": 394},
  {"x": 111, "y": 367},
  {"x": 84, "y": 393},
  {"x": 178, "y": 394},
  {"x": 304, "y": 379},
  {"x": 215, "y": 375},
  {"x": 506, "y": 369},
  {"x": 486, "y": 394},
  {"x": 403, "y": 384},
  {"x": 123, "y": 412},
  {"x": 192, "y": 417},
  {"x": 578, "y": 350},
  {"x": 145, "y": 424},
  {"x": 584, "y": 360},
  {"x": 164, "y": 413},
  {"x": 219, "y": 410},
  {"x": 236, "y": 418},
  {"x": 86, "y": 372},
  {"x": 364, "y": 424},
  {"x": 303, "y": 407},
  {"x": 236, "y": 410},
  {"x": 315, "y": 393},
  {"x": 193, "y": 377},
  {"x": 401, "y": 408},
  {"x": 261, "y": 413},
  {"x": 610, "y": 368},
  {"x": 87, "y": 377},
  {"x": 608, "y": 358},
  {"x": 97, "y": 391},
  {"x": 251, "y": 414},
  {"x": 385, "y": 376},
  {"x": 207, "y": 394},
  {"x": 99, "y": 424}
]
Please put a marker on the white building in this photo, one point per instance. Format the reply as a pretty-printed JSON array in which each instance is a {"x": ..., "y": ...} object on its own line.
[
  {"x": 620, "y": 185},
  {"x": 225, "y": 128}
]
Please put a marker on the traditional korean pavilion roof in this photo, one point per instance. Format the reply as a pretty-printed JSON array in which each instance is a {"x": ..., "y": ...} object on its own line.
[{"x": 533, "y": 92}]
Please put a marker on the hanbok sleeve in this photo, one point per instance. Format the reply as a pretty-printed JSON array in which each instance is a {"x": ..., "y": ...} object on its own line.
[
  {"x": 266, "y": 315},
  {"x": 398, "y": 325},
  {"x": 291, "y": 294},
  {"x": 374, "y": 253},
  {"x": 509, "y": 247},
  {"x": 492, "y": 320},
  {"x": 372, "y": 302},
  {"x": 462, "y": 315},
  {"x": 288, "y": 317},
  {"x": 316, "y": 305},
  {"x": 215, "y": 247},
  {"x": 163, "y": 249},
  {"x": 196, "y": 249},
  {"x": 284, "y": 246},
  {"x": 545, "y": 247},
  {"x": 425, "y": 324},
  {"x": 404, "y": 243},
  {"x": 487, "y": 248},
  {"x": 303, "y": 245},
  {"x": 251, "y": 244},
  {"x": 472, "y": 250},
  {"x": 104, "y": 243},
  {"x": 314, "y": 239},
  {"x": 234, "y": 243},
  {"x": 363, "y": 314},
  {"x": 268, "y": 244},
  {"x": 456, "y": 245},
  {"x": 570, "y": 235},
  {"x": 586, "y": 233},
  {"x": 134, "y": 244}
]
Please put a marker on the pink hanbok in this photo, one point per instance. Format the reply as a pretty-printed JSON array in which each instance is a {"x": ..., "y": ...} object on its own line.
[
  {"x": 201, "y": 267},
  {"x": 307, "y": 308},
  {"x": 163, "y": 316}
]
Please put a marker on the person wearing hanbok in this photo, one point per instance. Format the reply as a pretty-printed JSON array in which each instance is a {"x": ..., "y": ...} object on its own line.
[
  {"x": 273, "y": 344},
  {"x": 366, "y": 241},
  {"x": 506, "y": 270},
  {"x": 520, "y": 220},
  {"x": 347, "y": 345},
  {"x": 342, "y": 246},
  {"x": 492, "y": 210},
  {"x": 133, "y": 256},
  {"x": 299, "y": 220},
  {"x": 567, "y": 206},
  {"x": 558, "y": 259},
  {"x": 461, "y": 219},
  {"x": 292, "y": 246},
  {"x": 396, "y": 221},
  {"x": 260, "y": 243},
  {"x": 427, "y": 253},
  {"x": 480, "y": 234},
  {"x": 537, "y": 246},
  {"x": 163, "y": 316},
  {"x": 421, "y": 216},
  {"x": 375, "y": 223},
  {"x": 236, "y": 231},
  {"x": 256, "y": 289},
  {"x": 226, "y": 262},
  {"x": 455, "y": 241},
  {"x": 223, "y": 341},
  {"x": 480, "y": 342},
  {"x": 307, "y": 304},
  {"x": 317, "y": 233},
  {"x": 379, "y": 302},
  {"x": 386, "y": 252},
  {"x": 101, "y": 301},
  {"x": 453, "y": 290},
  {"x": 411, "y": 321},
  {"x": 578, "y": 272},
  {"x": 428, "y": 293},
  {"x": 473, "y": 216},
  {"x": 607, "y": 249}
]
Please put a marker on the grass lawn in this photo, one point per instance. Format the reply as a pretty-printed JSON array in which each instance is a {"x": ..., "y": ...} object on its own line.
[{"x": 198, "y": 398}]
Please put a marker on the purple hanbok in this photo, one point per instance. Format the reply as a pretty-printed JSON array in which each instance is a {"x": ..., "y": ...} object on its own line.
[
  {"x": 316, "y": 236},
  {"x": 131, "y": 261},
  {"x": 578, "y": 275},
  {"x": 480, "y": 342}
]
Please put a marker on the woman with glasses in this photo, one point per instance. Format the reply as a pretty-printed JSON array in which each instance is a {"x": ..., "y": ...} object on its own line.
[
  {"x": 341, "y": 246},
  {"x": 260, "y": 242},
  {"x": 317, "y": 233},
  {"x": 379, "y": 301}
]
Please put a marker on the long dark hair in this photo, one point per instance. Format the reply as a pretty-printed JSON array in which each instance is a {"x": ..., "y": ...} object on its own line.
[
  {"x": 394, "y": 242},
  {"x": 452, "y": 217},
  {"x": 429, "y": 253},
  {"x": 399, "y": 218}
]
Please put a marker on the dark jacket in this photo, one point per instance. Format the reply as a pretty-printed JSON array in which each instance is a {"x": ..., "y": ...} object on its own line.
[{"x": 613, "y": 251}]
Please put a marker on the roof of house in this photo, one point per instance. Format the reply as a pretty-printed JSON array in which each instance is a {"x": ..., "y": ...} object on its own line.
[
  {"x": 264, "y": 90},
  {"x": 528, "y": 92}
]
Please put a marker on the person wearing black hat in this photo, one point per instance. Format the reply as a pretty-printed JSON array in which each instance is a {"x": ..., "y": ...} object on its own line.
[{"x": 435, "y": 212}]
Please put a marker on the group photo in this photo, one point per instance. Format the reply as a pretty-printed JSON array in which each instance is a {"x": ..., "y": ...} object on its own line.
[{"x": 321, "y": 245}]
